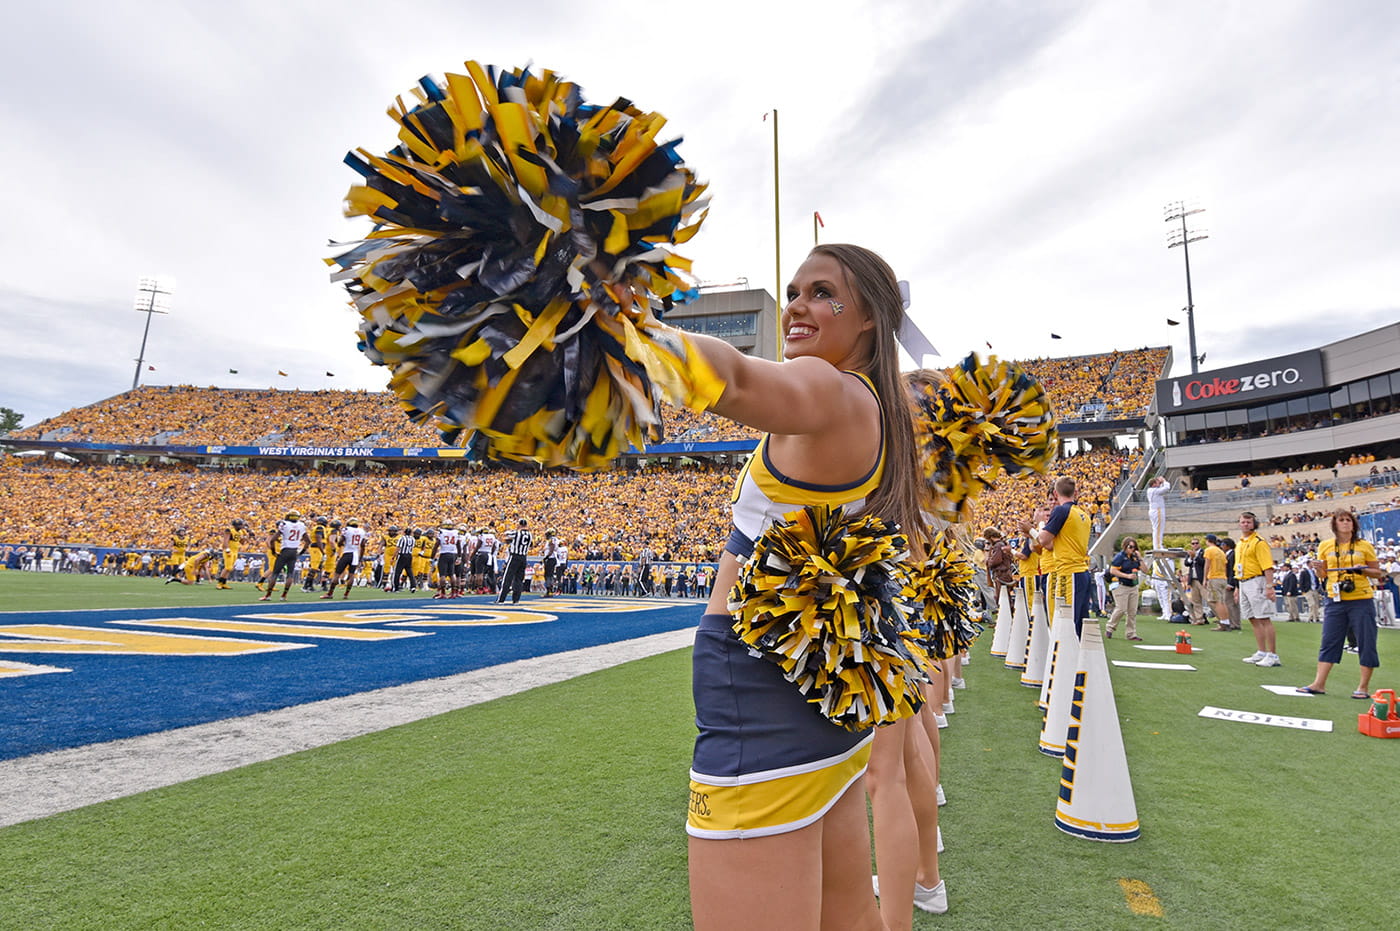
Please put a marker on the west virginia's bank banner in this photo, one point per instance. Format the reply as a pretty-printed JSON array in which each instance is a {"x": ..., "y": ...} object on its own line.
[{"x": 352, "y": 452}]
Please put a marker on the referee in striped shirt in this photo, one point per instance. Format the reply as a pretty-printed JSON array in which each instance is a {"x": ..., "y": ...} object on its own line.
[
  {"x": 518, "y": 548},
  {"x": 403, "y": 562}
]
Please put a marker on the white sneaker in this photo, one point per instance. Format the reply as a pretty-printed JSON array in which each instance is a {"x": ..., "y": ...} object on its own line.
[
  {"x": 959, "y": 683},
  {"x": 942, "y": 799},
  {"x": 1270, "y": 659},
  {"x": 940, "y": 839},
  {"x": 931, "y": 900},
  {"x": 942, "y": 719},
  {"x": 948, "y": 707},
  {"x": 1258, "y": 655}
]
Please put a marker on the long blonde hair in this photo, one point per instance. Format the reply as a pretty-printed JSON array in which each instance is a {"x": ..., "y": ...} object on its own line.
[{"x": 897, "y": 497}]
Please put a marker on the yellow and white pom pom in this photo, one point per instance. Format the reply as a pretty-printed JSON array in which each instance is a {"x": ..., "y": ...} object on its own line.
[
  {"x": 976, "y": 423},
  {"x": 820, "y": 597},
  {"x": 515, "y": 277}
]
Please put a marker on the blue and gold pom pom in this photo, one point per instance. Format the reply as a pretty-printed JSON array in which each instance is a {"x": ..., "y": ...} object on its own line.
[
  {"x": 519, "y": 259},
  {"x": 974, "y": 424},
  {"x": 820, "y": 596},
  {"x": 943, "y": 590}
]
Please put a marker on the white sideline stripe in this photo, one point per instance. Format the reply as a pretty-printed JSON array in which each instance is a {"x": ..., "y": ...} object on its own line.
[
  {"x": 1291, "y": 690},
  {"x": 48, "y": 783},
  {"x": 1119, "y": 662}
]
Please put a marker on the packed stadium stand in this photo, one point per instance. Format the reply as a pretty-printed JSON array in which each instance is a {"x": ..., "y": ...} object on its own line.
[
  {"x": 1113, "y": 383},
  {"x": 188, "y": 416},
  {"x": 1108, "y": 385},
  {"x": 680, "y": 511},
  {"x": 680, "y": 507},
  {"x": 1096, "y": 473}
]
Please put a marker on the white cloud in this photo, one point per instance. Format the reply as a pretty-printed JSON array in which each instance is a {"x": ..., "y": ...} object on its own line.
[{"x": 1011, "y": 159}]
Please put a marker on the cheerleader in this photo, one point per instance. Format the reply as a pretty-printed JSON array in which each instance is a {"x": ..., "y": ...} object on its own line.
[{"x": 777, "y": 822}]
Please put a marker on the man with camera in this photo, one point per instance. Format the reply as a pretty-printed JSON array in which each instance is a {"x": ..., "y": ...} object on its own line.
[{"x": 1348, "y": 566}]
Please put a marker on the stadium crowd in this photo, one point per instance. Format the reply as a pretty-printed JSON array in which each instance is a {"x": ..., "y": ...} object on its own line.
[
  {"x": 1115, "y": 383},
  {"x": 608, "y": 514},
  {"x": 183, "y": 415},
  {"x": 1096, "y": 473},
  {"x": 678, "y": 511},
  {"x": 1107, "y": 385}
]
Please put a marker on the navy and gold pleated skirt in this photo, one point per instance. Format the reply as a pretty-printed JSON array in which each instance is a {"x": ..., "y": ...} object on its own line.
[{"x": 766, "y": 760}]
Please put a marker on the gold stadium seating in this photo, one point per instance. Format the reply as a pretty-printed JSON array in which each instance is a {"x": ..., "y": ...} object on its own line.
[{"x": 681, "y": 510}]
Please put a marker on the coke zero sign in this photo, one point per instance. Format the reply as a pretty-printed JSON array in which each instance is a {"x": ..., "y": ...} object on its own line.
[{"x": 1242, "y": 385}]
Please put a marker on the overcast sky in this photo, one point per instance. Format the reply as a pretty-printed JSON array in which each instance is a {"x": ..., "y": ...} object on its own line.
[{"x": 1011, "y": 159}]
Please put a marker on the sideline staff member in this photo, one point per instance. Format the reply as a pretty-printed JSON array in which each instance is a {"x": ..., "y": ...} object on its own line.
[
  {"x": 1345, "y": 558},
  {"x": 1066, "y": 534},
  {"x": 1254, "y": 569}
]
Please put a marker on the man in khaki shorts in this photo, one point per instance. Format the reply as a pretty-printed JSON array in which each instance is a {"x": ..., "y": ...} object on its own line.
[
  {"x": 1217, "y": 589},
  {"x": 1254, "y": 571}
]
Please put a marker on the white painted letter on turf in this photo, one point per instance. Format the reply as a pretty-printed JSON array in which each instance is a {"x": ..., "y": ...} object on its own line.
[{"x": 1273, "y": 720}]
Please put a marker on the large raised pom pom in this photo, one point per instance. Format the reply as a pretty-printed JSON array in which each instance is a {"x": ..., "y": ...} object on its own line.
[
  {"x": 978, "y": 422},
  {"x": 943, "y": 589},
  {"x": 820, "y": 596},
  {"x": 519, "y": 254}
]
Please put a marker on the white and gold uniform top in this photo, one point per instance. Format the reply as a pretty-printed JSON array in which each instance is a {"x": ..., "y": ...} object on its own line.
[{"x": 762, "y": 494}]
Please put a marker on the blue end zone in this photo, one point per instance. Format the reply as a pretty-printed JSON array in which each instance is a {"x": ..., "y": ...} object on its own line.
[{"x": 110, "y": 695}]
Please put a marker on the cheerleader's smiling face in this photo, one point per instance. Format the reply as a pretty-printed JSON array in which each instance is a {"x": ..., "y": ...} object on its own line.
[{"x": 824, "y": 317}]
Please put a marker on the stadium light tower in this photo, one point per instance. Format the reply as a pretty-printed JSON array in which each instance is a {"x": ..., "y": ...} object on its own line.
[
  {"x": 1174, "y": 212},
  {"x": 152, "y": 297}
]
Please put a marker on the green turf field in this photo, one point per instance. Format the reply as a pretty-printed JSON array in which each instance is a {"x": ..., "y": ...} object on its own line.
[{"x": 563, "y": 808}]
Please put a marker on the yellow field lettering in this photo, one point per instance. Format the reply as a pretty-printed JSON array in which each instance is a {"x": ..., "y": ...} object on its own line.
[
  {"x": 61, "y": 638},
  {"x": 1141, "y": 899},
  {"x": 341, "y": 617},
  {"x": 285, "y": 630},
  {"x": 475, "y": 617},
  {"x": 613, "y": 606}
]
